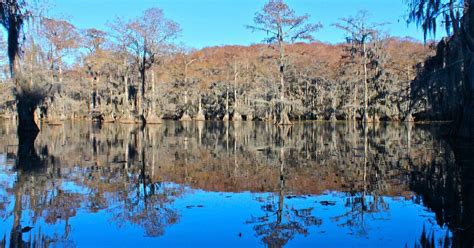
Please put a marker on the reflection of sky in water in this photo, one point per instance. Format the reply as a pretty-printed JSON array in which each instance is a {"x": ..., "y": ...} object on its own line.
[
  {"x": 72, "y": 187},
  {"x": 222, "y": 220},
  {"x": 7, "y": 178},
  {"x": 120, "y": 186}
]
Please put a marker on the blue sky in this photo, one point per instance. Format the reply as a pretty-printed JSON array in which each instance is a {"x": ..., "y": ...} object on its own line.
[{"x": 222, "y": 22}]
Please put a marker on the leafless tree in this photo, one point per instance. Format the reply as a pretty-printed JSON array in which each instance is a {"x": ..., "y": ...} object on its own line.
[
  {"x": 282, "y": 26},
  {"x": 145, "y": 37},
  {"x": 62, "y": 37},
  {"x": 359, "y": 34}
]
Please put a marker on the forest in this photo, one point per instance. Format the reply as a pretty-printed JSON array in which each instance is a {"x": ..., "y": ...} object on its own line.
[
  {"x": 286, "y": 141},
  {"x": 134, "y": 72}
]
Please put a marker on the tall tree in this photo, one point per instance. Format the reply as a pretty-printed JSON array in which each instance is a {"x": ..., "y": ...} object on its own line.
[
  {"x": 360, "y": 34},
  {"x": 282, "y": 26},
  {"x": 13, "y": 14},
  {"x": 96, "y": 57},
  {"x": 186, "y": 70},
  {"x": 145, "y": 37},
  {"x": 62, "y": 37}
]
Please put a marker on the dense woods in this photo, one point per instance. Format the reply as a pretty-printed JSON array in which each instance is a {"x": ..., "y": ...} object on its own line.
[
  {"x": 133, "y": 72},
  {"x": 324, "y": 82}
]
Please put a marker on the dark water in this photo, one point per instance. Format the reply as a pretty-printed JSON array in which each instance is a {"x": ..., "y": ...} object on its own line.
[{"x": 236, "y": 185}]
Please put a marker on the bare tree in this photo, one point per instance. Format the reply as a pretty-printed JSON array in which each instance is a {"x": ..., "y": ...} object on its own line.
[
  {"x": 313, "y": 80},
  {"x": 359, "y": 34},
  {"x": 93, "y": 40},
  {"x": 62, "y": 37},
  {"x": 188, "y": 60},
  {"x": 145, "y": 37},
  {"x": 282, "y": 26}
]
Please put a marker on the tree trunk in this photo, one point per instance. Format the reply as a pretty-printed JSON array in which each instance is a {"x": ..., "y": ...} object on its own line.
[
  {"x": 185, "y": 117},
  {"x": 126, "y": 114},
  {"x": 284, "y": 119},
  {"x": 354, "y": 113},
  {"x": 200, "y": 104},
  {"x": 51, "y": 63},
  {"x": 366, "y": 88},
  {"x": 237, "y": 116},
  {"x": 60, "y": 69},
  {"x": 333, "y": 117},
  {"x": 26, "y": 116},
  {"x": 226, "y": 116},
  {"x": 282, "y": 71},
  {"x": 152, "y": 115},
  {"x": 142, "y": 87},
  {"x": 236, "y": 99},
  {"x": 200, "y": 115},
  {"x": 227, "y": 102},
  {"x": 153, "y": 87},
  {"x": 141, "y": 101}
]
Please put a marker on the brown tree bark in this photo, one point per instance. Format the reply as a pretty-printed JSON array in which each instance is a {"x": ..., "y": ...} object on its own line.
[
  {"x": 366, "y": 118},
  {"x": 284, "y": 119}
]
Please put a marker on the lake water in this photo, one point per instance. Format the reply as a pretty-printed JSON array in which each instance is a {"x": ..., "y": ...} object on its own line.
[{"x": 248, "y": 184}]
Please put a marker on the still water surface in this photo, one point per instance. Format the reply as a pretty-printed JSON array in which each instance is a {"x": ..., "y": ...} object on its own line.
[{"x": 236, "y": 185}]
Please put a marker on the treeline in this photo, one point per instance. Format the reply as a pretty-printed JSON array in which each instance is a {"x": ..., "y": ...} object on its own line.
[{"x": 135, "y": 73}]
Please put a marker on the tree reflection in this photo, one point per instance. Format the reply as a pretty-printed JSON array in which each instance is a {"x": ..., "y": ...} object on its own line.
[
  {"x": 146, "y": 202},
  {"x": 367, "y": 202},
  {"x": 281, "y": 221},
  {"x": 37, "y": 187},
  {"x": 446, "y": 187},
  {"x": 140, "y": 198},
  {"x": 136, "y": 175},
  {"x": 39, "y": 191}
]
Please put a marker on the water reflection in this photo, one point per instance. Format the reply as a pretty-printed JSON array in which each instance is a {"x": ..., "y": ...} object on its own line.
[{"x": 244, "y": 184}]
